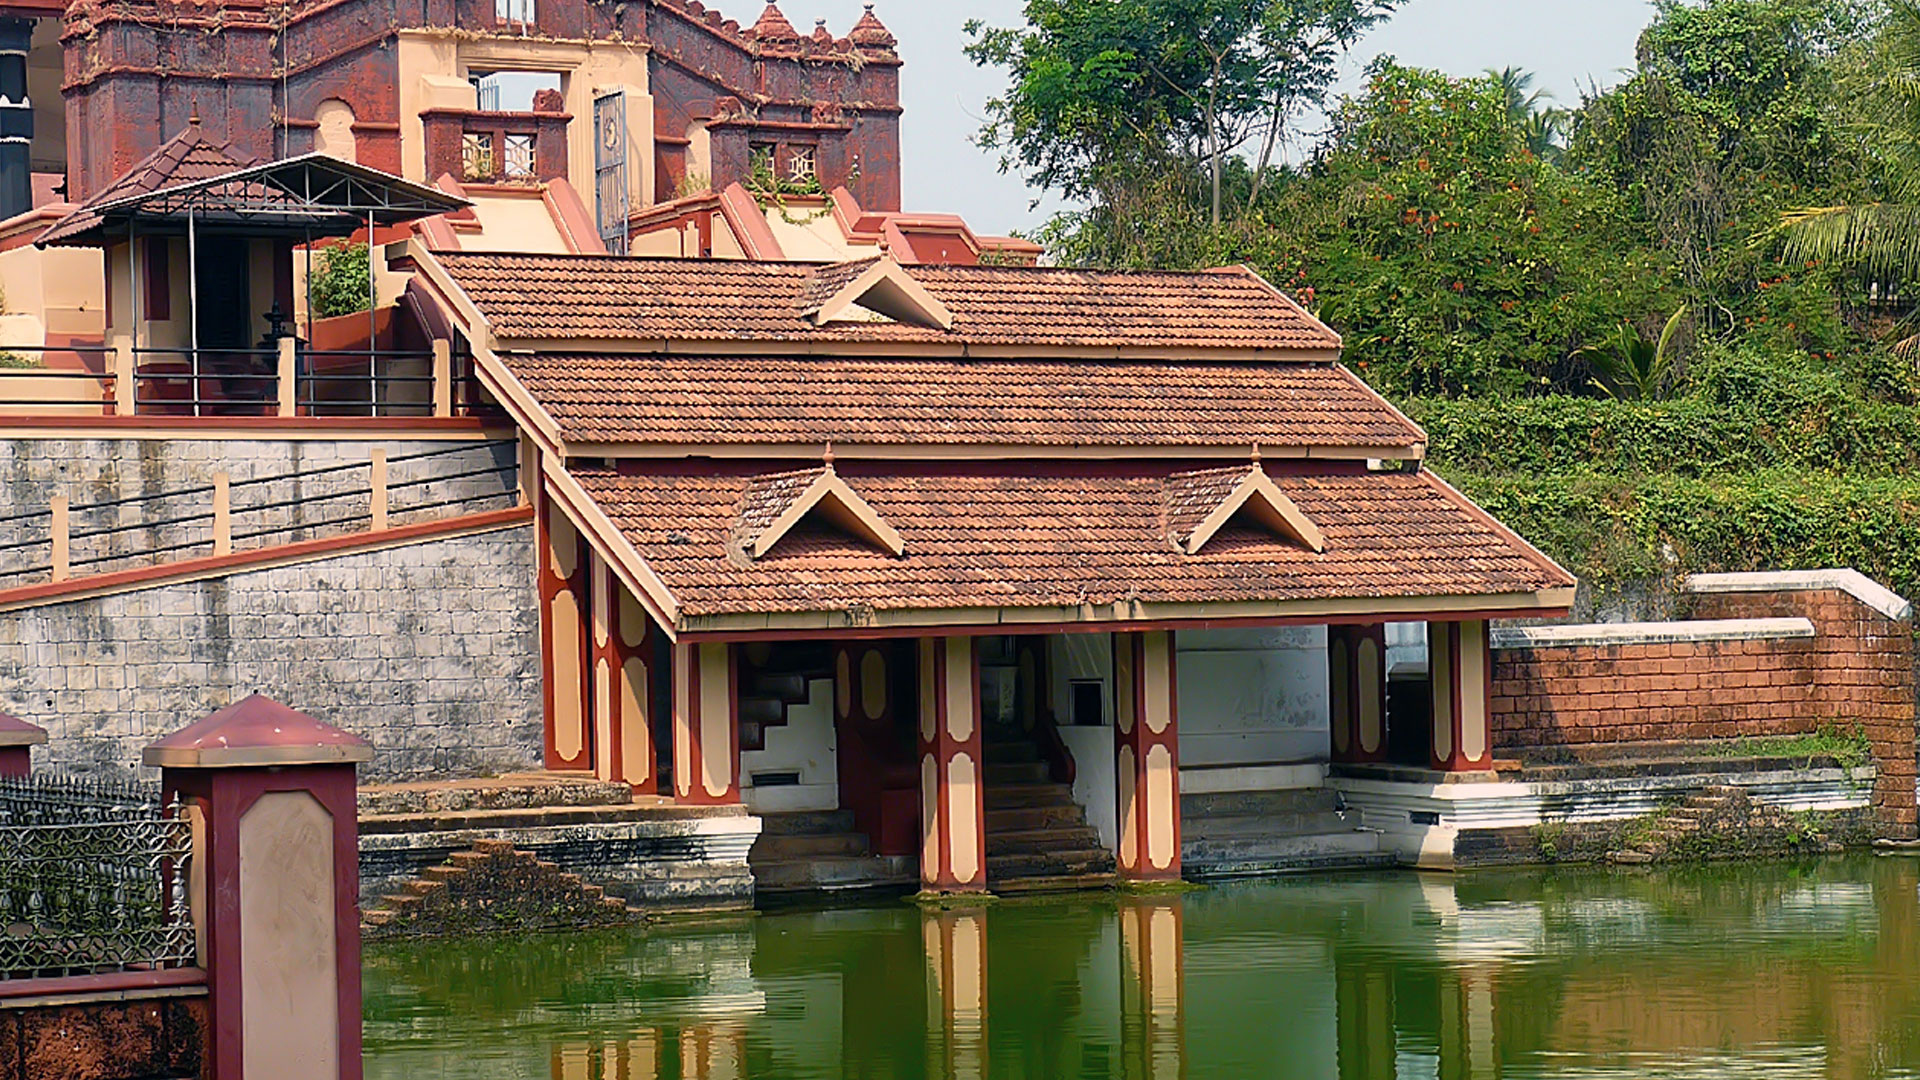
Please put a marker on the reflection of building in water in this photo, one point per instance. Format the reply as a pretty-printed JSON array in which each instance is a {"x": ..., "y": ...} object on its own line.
[
  {"x": 1153, "y": 988},
  {"x": 693, "y": 1001},
  {"x": 956, "y": 944}
]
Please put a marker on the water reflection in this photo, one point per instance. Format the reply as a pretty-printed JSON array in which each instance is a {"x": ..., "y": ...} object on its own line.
[{"x": 1776, "y": 971}]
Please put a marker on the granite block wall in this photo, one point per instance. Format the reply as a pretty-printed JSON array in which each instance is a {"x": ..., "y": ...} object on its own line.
[{"x": 429, "y": 650}]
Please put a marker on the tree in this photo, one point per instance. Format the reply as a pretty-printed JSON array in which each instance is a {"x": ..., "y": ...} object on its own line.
[
  {"x": 1632, "y": 365},
  {"x": 1881, "y": 235},
  {"x": 1541, "y": 125},
  {"x": 340, "y": 285},
  {"x": 1105, "y": 94}
]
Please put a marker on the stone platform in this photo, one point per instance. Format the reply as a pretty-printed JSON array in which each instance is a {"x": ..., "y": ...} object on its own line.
[{"x": 648, "y": 852}]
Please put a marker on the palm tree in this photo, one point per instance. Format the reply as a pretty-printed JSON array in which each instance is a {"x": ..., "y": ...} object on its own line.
[
  {"x": 1632, "y": 366},
  {"x": 1882, "y": 237},
  {"x": 1541, "y": 126}
]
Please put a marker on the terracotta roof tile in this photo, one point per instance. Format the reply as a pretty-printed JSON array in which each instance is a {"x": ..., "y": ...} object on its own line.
[
  {"x": 183, "y": 159},
  {"x": 693, "y": 400},
  {"x": 990, "y": 539},
  {"x": 587, "y": 298},
  {"x": 1193, "y": 496}
]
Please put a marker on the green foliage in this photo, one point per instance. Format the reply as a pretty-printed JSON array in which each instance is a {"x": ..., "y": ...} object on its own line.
[
  {"x": 1848, "y": 745},
  {"x": 16, "y": 362},
  {"x": 1455, "y": 260},
  {"x": 339, "y": 285},
  {"x": 1632, "y": 365}
]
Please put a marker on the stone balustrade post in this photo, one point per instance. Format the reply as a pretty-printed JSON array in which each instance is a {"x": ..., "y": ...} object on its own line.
[{"x": 274, "y": 887}]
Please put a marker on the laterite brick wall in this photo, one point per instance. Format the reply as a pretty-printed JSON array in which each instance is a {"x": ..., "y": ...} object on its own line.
[
  {"x": 104, "y": 1040},
  {"x": 1856, "y": 667}
]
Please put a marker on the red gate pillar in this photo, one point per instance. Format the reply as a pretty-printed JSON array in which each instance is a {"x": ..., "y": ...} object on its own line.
[
  {"x": 706, "y": 729},
  {"x": 1357, "y": 688},
  {"x": 1148, "y": 764},
  {"x": 953, "y": 807},
  {"x": 274, "y": 887},
  {"x": 17, "y": 740},
  {"x": 1460, "y": 665}
]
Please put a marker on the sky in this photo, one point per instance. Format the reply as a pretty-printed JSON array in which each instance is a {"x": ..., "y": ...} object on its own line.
[{"x": 1567, "y": 42}]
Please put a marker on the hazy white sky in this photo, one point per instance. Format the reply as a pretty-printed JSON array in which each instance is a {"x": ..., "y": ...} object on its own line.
[{"x": 1567, "y": 42}]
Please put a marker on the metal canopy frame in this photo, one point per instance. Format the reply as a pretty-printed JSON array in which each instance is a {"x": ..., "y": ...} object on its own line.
[{"x": 311, "y": 195}]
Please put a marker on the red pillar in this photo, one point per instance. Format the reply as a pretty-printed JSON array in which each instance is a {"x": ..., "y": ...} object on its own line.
[
  {"x": 622, "y": 729},
  {"x": 706, "y": 728},
  {"x": 1460, "y": 665},
  {"x": 565, "y": 648},
  {"x": 953, "y": 808},
  {"x": 275, "y": 886},
  {"x": 1357, "y": 685},
  {"x": 17, "y": 740},
  {"x": 1147, "y": 775}
]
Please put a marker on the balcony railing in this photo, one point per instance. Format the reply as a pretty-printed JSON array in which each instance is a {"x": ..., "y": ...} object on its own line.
[{"x": 287, "y": 380}]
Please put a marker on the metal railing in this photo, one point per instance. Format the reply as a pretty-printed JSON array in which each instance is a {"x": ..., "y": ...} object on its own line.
[
  {"x": 93, "y": 880},
  {"x": 226, "y": 516},
  {"x": 284, "y": 379}
]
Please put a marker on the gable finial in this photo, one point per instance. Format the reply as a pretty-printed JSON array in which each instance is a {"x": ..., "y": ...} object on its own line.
[
  {"x": 827, "y": 457},
  {"x": 1256, "y": 455}
]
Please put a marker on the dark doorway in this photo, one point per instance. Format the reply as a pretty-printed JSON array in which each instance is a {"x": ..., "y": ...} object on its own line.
[{"x": 223, "y": 315}]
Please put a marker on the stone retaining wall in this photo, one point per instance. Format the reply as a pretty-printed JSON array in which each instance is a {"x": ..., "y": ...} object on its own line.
[
  {"x": 1771, "y": 655},
  {"x": 429, "y": 651}
]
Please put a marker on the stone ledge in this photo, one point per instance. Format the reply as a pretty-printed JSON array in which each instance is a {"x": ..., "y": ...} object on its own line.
[
  {"x": 1658, "y": 633},
  {"x": 1852, "y": 582}
]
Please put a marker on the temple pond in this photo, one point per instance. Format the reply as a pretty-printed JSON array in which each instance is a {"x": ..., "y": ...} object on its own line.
[{"x": 1778, "y": 970}]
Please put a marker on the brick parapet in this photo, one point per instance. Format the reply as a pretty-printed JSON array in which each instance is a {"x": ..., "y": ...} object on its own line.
[{"x": 1857, "y": 669}]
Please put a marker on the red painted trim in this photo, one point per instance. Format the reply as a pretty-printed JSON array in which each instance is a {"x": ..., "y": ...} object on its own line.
[
  {"x": 152, "y": 576},
  {"x": 371, "y": 425},
  {"x": 976, "y": 630},
  {"x": 121, "y": 982}
]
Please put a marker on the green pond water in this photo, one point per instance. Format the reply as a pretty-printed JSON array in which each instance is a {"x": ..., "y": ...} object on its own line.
[{"x": 1776, "y": 970}]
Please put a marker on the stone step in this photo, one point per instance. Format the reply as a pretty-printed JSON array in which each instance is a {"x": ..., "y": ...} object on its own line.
[
  {"x": 1017, "y": 773},
  {"x": 1007, "y": 798},
  {"x": 1251, "y": 854},
  {"x": 1300, "y": 863},
  {"x": 1250, "y": 826},
  {"x": 801, "y": 822},
  {"x": 762, "y": 711},
  {"x": 788, "y": 846},
  {"x": 1042, "y": 841},
  {"x": 835, "y": 872},
  {"x": 1011, "y": 752},
  {"x": 1023, "y": 818},
  {"x": 1044, "y": 884},
  {"x": 788, "y": 687},
  {"x": 535, "y": 817},
  {"x": 1296, "y": 801},
  {"x": 517, "y": 792},
  {"x": 1055, "y": 864}
]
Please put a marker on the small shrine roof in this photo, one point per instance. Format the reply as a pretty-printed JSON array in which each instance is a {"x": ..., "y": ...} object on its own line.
[{"x": 253, "y": 732}]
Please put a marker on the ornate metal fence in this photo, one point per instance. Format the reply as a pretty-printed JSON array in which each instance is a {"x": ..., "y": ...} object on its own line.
[{"x": 92, "y": 880}]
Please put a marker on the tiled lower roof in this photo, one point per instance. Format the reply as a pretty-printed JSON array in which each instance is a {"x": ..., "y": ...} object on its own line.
[
  {"x": 814, "y": 400},
  {"x": 1001, "y": 540}
]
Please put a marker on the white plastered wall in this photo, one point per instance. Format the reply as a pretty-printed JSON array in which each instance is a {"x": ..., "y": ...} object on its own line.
[
  {"x": 1253, "y": 697},
  {"x": 805, "y": 744},
  {"x": 1073, "y": 658}
]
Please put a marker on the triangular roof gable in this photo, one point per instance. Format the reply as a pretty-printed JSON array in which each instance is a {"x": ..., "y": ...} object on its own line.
[
  {"x": 1258, "y": 497},
  {"x": 884, "y": 287},
  {"x": 783, "y": 502}
]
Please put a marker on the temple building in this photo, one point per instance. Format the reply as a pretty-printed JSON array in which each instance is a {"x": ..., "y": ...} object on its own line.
[{"x": 996, "y": 510}]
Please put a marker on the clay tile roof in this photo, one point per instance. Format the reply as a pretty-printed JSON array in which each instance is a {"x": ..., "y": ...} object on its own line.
[
  {"x": 827, "y": 281},
  {"x": 1193, "y": 496},
  {"x": 690, "y": 400},
  {"x": 767, "y": 497},
  {"x": 773, "y": 26},
  {"x": 183, "y": 159},
  {"x": 586, "y": 298},
  {"x": 1000, "y": 539},
  {"x": 871, "y": 33}
]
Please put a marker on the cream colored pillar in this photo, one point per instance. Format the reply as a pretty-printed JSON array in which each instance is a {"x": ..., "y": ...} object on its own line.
[
  {"x": 1460, "y": 665},
  {"x": 956, "y": 949},
  {"x": 706, "y": 731},
  {"x": 1153, "y": 987}
]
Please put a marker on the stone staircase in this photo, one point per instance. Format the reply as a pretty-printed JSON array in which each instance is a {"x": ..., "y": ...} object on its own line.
[
  {"x": 773, "y": 679},
  {"x": 492, "y": 888},
  {"x": 1252, "y": 833},
  {"x": 820, "y": 851},
  {"x": 1038, "y": 838},
  {"x": 1720, "y": 823}
]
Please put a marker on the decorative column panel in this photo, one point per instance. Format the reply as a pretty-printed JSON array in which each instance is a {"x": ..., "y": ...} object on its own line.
[
  {"x": 706, "y": 728},
  {"x": 1357, "y": 685},
  {"x": 1460, "y": 665},
  {"x": 1147, "y": 776},
  {"x": 1152, "y": 988},
  {"x": 953, "y": 809},
  {"x": 956, "y": 946},
  {"x": 884, "y": 808},
  {"x": 16, "y": 119},
  {"x": 565, "y": 647},
  {"x": 622, "y": 734}
]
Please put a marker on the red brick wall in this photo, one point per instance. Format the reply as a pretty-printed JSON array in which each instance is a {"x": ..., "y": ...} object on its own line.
[
  {"x": 1857, "y": 669},
  {"x": 132, "y": 1040}
]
